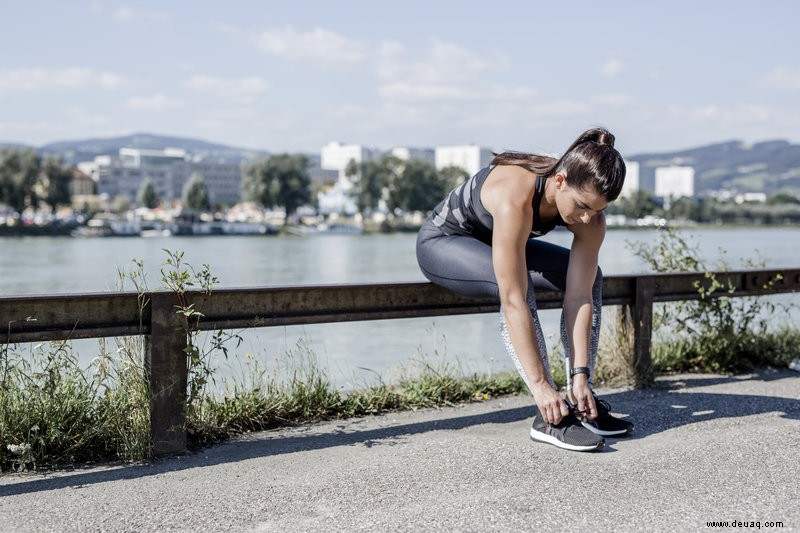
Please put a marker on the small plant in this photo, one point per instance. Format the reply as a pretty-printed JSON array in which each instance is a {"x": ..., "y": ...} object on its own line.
[
  {"x": 715, "y": 332},
  {"x": 180, "y": 278}
]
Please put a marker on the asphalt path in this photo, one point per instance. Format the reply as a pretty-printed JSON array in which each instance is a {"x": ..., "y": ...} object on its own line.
[{"x": 706, "y": 449}]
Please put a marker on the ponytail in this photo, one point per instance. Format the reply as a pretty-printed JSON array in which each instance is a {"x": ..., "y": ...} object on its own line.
[{"x": 590, "y": 160}]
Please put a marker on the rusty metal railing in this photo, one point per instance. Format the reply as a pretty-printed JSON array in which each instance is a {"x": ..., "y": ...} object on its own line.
[{"x": 152, "y": 314}]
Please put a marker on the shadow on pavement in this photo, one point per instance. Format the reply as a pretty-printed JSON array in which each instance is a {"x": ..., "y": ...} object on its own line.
[{"x": 671, "y": 404}]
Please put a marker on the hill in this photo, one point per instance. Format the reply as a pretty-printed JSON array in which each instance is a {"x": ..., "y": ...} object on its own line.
[
  {"x": 76, "y": 151},
  {"x": 769, "y": 166}
]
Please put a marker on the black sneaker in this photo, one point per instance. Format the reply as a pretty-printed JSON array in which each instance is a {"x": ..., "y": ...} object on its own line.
[
  {"x": 568, "y": 434},
  {"x": 605, "y": 424}
]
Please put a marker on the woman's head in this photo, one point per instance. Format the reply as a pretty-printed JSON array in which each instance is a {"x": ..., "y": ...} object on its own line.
[{"x": 592, "y": 161}]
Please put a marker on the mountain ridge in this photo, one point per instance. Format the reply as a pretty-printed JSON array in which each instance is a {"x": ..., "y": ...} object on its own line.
[{"x": 769, "y": 166}]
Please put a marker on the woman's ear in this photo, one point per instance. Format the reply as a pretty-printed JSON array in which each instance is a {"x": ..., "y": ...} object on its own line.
[{"x": 561, "y": 179}]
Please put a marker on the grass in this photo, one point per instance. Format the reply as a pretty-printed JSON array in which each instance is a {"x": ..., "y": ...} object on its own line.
[
  {"x": 306, "y": 394},
  {"x": 55, "y": 414}
]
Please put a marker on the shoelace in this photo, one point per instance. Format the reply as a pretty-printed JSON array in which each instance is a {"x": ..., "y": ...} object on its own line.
[{"x": 601, "y": 403}]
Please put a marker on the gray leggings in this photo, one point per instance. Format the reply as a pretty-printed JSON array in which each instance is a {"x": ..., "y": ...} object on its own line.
[{"x": 463, "y": 264}]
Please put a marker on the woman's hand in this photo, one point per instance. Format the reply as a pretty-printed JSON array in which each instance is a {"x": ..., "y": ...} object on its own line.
[
  {"x": 552, "y": 407},
  {"x": 583, "y": 396}
]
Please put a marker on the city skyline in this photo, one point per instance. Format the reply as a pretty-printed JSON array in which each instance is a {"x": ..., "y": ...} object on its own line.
[{"x": 291, "y": 78}]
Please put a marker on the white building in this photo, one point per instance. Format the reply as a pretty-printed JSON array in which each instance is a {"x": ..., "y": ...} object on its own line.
[
  {"x": 423, "y": 154},
  {"x": 469, "y": 157},
  {"x": 674, "y": 182},
  {"x": 631, "y": 179},
  {"x": 169, "y": 170},
  {"x": 336, "y": 156}
]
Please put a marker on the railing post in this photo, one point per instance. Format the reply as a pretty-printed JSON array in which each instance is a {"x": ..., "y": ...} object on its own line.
[
  {"x": 641, "y": 312},
  {"x": 167, "y": 374}
]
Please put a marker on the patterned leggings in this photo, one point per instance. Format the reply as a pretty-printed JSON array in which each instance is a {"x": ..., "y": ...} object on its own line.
[{"x": 463, "y": 264}]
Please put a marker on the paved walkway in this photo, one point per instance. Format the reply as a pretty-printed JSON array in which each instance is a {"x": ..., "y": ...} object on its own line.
[{"x": 707, "y": 448}]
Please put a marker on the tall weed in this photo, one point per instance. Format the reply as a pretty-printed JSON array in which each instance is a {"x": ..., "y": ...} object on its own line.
[{"x": 715, "y": 332}]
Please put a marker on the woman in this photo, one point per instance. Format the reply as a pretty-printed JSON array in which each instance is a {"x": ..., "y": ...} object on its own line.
[{"x": 481, "y": 241}]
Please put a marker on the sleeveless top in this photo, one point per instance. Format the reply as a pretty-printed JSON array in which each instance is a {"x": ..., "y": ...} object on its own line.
[{"x": 462, "y": 213}]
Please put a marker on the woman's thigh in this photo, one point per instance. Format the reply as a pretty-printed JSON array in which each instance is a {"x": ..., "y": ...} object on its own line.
[
  {"x": 460, "y": 263},
  {"x": 464, "y": 264},
  {"x": 547, "y": 264}
]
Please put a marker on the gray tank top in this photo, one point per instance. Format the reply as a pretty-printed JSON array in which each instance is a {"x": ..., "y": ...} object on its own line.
[{"x": 462, "y": 213}]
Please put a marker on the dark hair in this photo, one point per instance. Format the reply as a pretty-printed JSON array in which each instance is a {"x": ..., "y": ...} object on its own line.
[{"x": 590, "y": 160}]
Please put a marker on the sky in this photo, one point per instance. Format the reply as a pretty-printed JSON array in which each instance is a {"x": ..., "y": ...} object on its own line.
[{"x": 291, "y": 76}]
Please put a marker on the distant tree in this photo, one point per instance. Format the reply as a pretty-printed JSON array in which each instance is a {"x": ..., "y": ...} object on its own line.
[
  {"x": 371, "y": 179},
  {"x": 194, "y": 196},
  {"x": 453, "y": 175},
  {"x": 19, "y": 175},
  {"x": 120, "y": 204},
  {"x": 281, "y": 180},
  {"x": 419, "y": 188},
  {"x": 637, "y": 205},
  {"x": 259, "y": 184},
  {"x": 55, "y": 180},
  {"x": 147, "y": 195},
  {"x": 783, "y": 198},
  {"x": 684, "y": 207},
  {"x": 295, "y": 182}
]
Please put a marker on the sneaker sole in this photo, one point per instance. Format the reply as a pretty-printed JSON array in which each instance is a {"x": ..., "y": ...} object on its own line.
[
  {"x": 603, "y": 432},
  {"x": 549, "y": 439}
]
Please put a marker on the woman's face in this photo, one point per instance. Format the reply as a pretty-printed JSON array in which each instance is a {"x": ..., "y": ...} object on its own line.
[{"x": 577, "y": 206}]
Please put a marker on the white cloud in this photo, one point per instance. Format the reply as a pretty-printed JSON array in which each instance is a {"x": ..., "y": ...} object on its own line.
[
  {"x": 783, "y": 78},
  {"x": 158, "y": 102},
  {"x": 445, "y": 73},
  {"x": 318, "y": 44},
  {"x": 423, "y": 91},
  {"x": 446, "y": 62},
  {"x": 83, "y": 117},
  {"x": 242, "y": 89},
  {"x": 611, "y": 100},
  {"x": 612, "y": 68},
  {"x": 34, "y": 79},
  {"x": 129, "y": 14}
]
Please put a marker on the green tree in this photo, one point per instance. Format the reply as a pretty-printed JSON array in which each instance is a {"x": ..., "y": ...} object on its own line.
[
  {"x": 19, "y": 175},
  {"x": 282, "y": 180},
  {"x": 372, "y": 178},
  {"x": 783, "y": 198},
  {"x": 637, "y": 205},
  {"x": 259, "y": 184},
  {"x": 120, "y": 204},
  {"x": 194, "y": 196},
  {"x": 420, "y": 187},
  {"x": 684, "y": 207},
  {"x": 55, "y": 180},
  {"x": 452, "y": 176},
  {"x": 147, "y": 195}
]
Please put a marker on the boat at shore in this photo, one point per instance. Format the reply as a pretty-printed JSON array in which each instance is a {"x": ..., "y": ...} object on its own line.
[{"x": 106, "y": 227}]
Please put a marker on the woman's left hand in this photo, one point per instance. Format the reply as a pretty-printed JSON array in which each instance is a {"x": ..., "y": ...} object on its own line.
[{"x": 583, "y": 396}]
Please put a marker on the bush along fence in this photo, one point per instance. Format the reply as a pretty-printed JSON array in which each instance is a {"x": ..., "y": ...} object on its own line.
[{"x": 169, "y": 319}]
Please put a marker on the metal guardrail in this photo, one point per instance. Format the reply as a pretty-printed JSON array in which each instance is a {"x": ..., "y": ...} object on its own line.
[{"x": 152, "y": 314}]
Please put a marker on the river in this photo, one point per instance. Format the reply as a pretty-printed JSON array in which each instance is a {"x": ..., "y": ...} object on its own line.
[{"x": 353, "y": 353}]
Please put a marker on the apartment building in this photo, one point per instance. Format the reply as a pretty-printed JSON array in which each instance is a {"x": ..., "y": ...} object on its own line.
[
  {"x": 469, "y": 157},
  {"x": 168, "y": 169}
]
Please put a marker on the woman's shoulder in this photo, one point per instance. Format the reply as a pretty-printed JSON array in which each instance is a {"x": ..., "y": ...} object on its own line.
[
  {"x": 512, "y": 178},
  {"x": 508, "y": 192},
  {"x": 507, "y": 185}
]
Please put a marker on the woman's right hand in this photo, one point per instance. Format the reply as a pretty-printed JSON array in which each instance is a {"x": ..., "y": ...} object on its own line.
[{"x": 550, "y": 403}]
